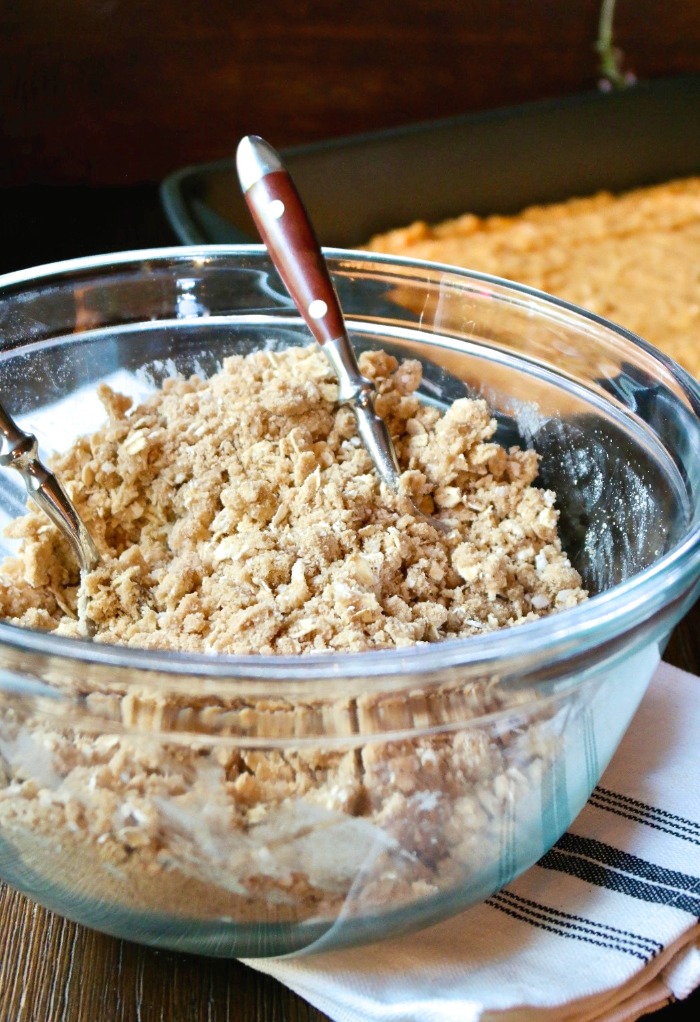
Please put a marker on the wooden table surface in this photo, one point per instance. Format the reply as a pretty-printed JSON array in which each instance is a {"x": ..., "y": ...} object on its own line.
[{"x": 52, "y": 970}]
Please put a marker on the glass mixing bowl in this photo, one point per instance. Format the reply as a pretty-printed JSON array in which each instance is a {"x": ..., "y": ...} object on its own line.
[{"x": 252, "y": 805}]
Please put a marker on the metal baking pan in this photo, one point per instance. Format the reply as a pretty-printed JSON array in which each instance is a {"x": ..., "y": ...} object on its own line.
[{"x": 494, "y": 162}]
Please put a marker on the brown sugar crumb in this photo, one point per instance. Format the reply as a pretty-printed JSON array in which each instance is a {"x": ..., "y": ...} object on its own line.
[
  {"x": 241, "y": 514},
  {"x": 632, "y": 258}
]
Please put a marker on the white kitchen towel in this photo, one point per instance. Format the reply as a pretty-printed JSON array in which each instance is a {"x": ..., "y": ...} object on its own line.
[{"x": 604, "y": 926}]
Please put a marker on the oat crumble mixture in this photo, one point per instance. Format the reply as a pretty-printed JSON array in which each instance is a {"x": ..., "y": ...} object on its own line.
[{"x": 240, "y": 514}]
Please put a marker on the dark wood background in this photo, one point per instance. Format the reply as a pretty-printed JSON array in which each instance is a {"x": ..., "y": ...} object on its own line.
[
  {"x": 99, "y": 100},
  {"x": 123, "y": 91}
]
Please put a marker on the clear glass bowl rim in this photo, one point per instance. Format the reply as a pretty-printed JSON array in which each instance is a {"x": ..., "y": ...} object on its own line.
[{"x": 602, "y": 618}]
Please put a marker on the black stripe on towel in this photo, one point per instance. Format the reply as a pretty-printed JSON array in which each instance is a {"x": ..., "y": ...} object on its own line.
[
  {"x": 615, "y": 857},
  {"x": 604, "y": 866},
  {"x": 565, "y": 924},
  {"x": 650, "y": 816}
]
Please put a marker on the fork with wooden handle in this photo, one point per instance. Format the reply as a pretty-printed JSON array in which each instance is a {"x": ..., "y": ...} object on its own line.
[{"x": 284, "y": 226}]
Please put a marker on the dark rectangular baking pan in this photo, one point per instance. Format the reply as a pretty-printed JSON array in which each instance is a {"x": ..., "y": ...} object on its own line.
[{"x": 494, "y": 162}]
